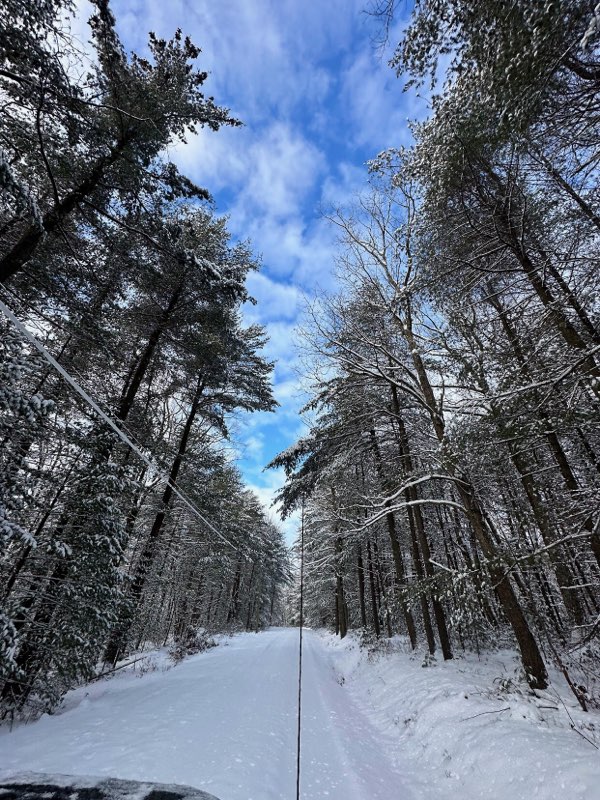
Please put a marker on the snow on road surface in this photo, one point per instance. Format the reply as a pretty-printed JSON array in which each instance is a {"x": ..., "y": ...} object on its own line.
[
  {"x": 223, "y": 721},
  {"x": 377, "y": 725}
]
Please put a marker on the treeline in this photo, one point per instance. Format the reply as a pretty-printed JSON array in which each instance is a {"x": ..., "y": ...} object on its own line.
[
  {"x": 451, "y": 476},
  {"x": 118, "y": 265}
]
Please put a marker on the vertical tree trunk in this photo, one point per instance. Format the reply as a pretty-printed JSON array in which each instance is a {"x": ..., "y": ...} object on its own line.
[
  {"x": 381, "y": 581},
  {"x": 232, "y": 610},
  {"x": 374, "y": 608},
  {"x": 140, "y": 367},
  {"x": 149, "y": 550},
  {"x": 533, "y": 662},
  {"x": 249, "y": 593},
  {"x": 396, "y": 551},
  {"x": 360, "y": 571},
  {"x": 416, "y": 557},
  {"x": 339, "y": 592},
  {"x": 22, "y": 251},
  {"x": 557, "y": 451},
  {"x": 412, "y": 496}
]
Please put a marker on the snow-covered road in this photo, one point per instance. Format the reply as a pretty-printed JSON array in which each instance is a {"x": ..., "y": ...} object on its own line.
[{"x": 223, "y": 721}]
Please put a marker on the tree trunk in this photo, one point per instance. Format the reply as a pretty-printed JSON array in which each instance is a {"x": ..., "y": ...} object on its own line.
[
  {"x": 416, "y": 557},
  {"x": 412, "y": 496},
  {"x": 381, "y": 582},
  {"x": 374, "y": 608},
  {"x": 141, "y": 367},
  {"x": 533, "y": 662},
  {"x": 339, "y": 591},
  {"x": 396, "y": 551},
  {"x": 23, "y": 250},
  {"x": 557, "y": 451},
  {"x": 150, "y": 547},
  {"x": 360, "y": 570}
]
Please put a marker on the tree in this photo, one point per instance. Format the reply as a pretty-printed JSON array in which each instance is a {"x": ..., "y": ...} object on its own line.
[
  {"x": 123, "y": 273},
  {"x": 77, "y": 140}
]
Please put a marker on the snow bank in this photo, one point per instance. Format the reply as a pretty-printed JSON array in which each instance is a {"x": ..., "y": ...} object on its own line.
[{"x": 467, "y": 729}]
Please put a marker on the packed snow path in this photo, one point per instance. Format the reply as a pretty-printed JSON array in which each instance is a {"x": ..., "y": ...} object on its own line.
[{"x": 223, "y": 721}]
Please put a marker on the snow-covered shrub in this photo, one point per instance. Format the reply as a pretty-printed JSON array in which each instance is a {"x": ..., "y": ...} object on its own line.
[
  {"x": 193, "y": 641},
  {"x": 376, "y": 647}
]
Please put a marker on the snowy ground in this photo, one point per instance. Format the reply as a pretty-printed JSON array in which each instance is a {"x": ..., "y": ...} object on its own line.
[
  {"x": 373, "y": 729},
  {"x": 466, "y": 730}
]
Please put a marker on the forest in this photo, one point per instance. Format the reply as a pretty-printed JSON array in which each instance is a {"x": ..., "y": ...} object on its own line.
[
  {"x": 128, "y": 279},
  {"x": 448, "y": 480}
]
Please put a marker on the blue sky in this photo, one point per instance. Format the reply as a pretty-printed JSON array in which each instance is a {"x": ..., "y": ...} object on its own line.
[{"x": 317, "y": 99}]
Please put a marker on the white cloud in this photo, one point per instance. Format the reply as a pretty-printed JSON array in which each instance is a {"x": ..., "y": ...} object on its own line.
[
  {"x": 375, "y": 104},
  {"x": 348, "y": 181},
  {"x": 254, "y": 446},
  {"x": 282, "y": 346},
  {"x": 289, "y": 391},
  {"x": 274, "y": 300},
  {"x": 284, "y": 166},
  {"x": 213, "y": 159}
]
